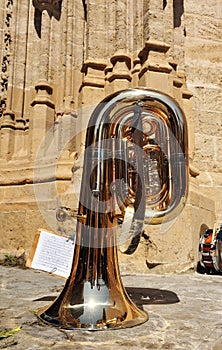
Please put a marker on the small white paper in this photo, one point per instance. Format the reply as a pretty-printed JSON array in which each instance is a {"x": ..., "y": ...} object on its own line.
[{"x": 53, "y": 254}]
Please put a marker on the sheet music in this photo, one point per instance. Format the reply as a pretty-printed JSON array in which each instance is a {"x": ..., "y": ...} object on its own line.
[{"x": 53, "y": 254}]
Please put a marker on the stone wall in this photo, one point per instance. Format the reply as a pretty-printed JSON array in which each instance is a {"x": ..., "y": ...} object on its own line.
[
  {"x": 203, "y": 66},
  {"x": 58, "y": 62}
]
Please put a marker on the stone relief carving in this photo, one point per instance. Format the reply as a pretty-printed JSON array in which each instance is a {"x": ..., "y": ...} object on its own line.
[{"x": 6, "y": 56}]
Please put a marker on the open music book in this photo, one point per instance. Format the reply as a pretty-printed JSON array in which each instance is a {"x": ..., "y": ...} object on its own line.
[{"x": 51, "y": 253}]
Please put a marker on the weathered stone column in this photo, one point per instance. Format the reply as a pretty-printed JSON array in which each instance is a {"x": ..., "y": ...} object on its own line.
[
  {"x": 121, "y": 25},
  {"x": 43, "y": 111},
  {"x": 20, "y": 140},
  {"x": 42, "y": 117},
  {"x": 69, "y": 57},
  {"x": 94, "y": 64},
  {"x": 7, "y": 128},
  {"x": 45, "y": 46},
  {"x": 16, "y": 41}
]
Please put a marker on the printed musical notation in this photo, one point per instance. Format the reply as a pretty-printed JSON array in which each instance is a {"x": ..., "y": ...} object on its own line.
[{"x": 51, "y": 253}]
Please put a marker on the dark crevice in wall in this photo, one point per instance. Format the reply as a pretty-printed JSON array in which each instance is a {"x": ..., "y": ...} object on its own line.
[
  {"x": 164, "y": 4},
  {"x": 38, "y": 22},
  {"x": 85, "y": 9},
  {"x": 178, "y": 10}
]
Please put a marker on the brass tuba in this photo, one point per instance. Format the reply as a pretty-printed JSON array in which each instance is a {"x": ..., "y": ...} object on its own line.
[{"x": 135, "y": 171}]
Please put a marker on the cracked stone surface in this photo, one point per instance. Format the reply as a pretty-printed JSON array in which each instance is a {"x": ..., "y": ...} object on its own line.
[{"x": 184, "y": 313}]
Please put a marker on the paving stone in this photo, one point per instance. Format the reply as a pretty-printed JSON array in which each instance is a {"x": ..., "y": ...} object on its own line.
[{"x": 184, "y": 313}]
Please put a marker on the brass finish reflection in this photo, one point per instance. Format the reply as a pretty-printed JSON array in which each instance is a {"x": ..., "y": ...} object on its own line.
[{"x": 135, "y": 171}]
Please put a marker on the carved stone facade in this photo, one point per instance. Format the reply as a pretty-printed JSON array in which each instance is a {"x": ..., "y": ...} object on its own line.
[{"x": 59, "y": 59}]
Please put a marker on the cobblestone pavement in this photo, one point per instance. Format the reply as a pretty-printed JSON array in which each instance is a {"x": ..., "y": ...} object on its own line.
[{"x": 185, "y": 312}]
